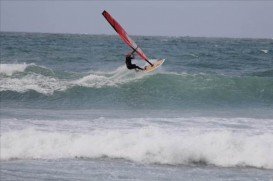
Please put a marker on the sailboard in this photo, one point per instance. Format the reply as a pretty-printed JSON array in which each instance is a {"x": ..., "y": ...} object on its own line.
[
  {"x": 130, "y": 42},
  {"x": 157, "y": 64}
]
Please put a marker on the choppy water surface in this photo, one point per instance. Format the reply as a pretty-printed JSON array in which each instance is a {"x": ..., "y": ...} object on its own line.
[{"x": 71, "y": 110}]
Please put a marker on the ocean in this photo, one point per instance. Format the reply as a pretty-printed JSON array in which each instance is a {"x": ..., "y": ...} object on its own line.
[{"x": 70, "y": 110}]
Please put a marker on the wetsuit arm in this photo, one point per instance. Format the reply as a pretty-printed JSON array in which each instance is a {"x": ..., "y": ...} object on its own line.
[{"x": 134, "y": 50}]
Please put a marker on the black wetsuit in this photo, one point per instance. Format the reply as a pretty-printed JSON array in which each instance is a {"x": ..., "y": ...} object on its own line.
[{"x": 130, "y": 65}]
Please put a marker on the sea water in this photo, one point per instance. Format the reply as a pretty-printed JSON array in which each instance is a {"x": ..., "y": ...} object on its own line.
[{"x": 70, "y": 110}]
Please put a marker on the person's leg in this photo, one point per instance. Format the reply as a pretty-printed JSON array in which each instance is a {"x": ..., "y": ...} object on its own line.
[
  {"x": 137, "y": 67},
  {"x": 130, "y": 67}
]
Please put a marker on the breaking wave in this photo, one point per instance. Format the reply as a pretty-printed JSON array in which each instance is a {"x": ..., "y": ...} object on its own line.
[
  {"x": 9, "y": 69},
  {"x": 136, "y": 89},
  {"x": 45, "y": 81},
  {"x": 144, "y": 145}
]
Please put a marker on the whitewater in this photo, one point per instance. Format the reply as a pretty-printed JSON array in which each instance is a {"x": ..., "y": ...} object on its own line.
[
  {"x": 148, "y": 144},
  {"x": 70, "y": 110}
]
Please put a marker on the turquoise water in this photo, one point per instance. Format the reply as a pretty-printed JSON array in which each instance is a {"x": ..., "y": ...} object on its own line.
[
  {"x": 69, "y": 100},
  {"x": 88, "y": 72}
]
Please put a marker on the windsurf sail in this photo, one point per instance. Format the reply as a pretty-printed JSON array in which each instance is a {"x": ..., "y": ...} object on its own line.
[{"x": 124, "y": 36}]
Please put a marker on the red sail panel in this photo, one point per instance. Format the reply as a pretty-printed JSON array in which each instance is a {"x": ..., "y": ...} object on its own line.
[{"x": 123, "y": 35}]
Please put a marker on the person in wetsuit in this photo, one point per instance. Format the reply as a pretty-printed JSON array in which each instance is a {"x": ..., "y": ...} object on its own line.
[{"x": 129, "y": 64}]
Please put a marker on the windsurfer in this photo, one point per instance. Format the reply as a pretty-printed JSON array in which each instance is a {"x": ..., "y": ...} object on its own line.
[{"x": 129, "y": 64}]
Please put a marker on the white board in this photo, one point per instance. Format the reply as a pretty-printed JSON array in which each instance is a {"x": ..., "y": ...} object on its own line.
[{"x": 157, "y": 64}]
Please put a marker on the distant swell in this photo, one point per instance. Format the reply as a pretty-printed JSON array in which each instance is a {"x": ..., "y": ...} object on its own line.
[{"x": 145, "y": 145}]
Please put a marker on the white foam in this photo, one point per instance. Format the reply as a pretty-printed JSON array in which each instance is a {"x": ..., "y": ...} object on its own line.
[
  {"x": 71, "y": 122},
  {"x": 265, "y": 51},
  {"x": 36, "y": 82},
  {"x": 145, "y": 145},
  {"x": 9, "y": 69},
  {"x": 93, "y": 80},
  {"x": 48, "y": 85},
  {"x": 120, "y": 76}
]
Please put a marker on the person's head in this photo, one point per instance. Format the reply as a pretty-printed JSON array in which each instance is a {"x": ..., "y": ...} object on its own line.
[{"x": 130, "y": 55}]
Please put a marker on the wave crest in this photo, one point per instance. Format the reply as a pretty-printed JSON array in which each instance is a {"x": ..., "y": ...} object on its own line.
[
  {"x": 145, "y": 145},
  {"x": 10, "y": 69},
  {"x": 128, "y": 88},
  {"x": 45, "y": 81}
]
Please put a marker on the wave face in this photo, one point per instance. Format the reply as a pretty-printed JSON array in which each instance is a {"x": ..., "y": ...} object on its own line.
[{"x": 28, "y": 83}]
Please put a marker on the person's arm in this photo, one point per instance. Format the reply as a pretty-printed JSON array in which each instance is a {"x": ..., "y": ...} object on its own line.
[{"x": 133, "y": 52}]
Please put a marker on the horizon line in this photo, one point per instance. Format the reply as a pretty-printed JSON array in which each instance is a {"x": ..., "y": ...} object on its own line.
[{"x": 169, "y": 36}]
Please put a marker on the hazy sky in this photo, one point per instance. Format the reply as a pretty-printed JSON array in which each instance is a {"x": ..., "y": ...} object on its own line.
[{"x": 172, "y": 18}]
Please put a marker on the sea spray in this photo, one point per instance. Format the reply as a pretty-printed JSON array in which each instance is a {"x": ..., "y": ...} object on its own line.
[{"x": 9, "y": 69}]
